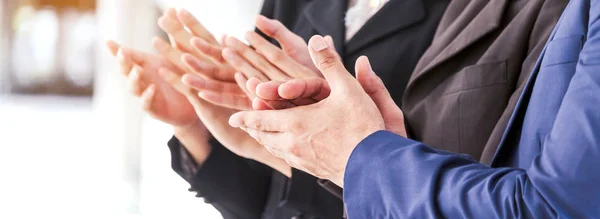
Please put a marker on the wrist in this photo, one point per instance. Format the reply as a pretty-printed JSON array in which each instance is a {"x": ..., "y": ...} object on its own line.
[
  {"x": 265, "y": 157},
  {"x": 193, "y": 128},
  {"x": 195, "y": 138}
]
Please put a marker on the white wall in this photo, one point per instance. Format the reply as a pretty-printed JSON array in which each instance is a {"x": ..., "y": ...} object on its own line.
[{"x": 124, "y": 127}]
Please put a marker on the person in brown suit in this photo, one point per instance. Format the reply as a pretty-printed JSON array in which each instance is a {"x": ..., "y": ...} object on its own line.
[{"x": 465, "y": 87}]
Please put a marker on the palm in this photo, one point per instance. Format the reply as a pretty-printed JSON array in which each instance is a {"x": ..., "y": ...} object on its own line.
[{"x": 169, "y": 105}]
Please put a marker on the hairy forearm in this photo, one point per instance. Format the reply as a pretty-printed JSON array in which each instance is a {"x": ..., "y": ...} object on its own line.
[{"x": 195, "y": 139}]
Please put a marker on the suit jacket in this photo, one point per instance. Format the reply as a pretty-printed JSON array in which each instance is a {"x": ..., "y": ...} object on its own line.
[
  {"x": 394, "y": 39},
  {"x": 550, "y": 171},
  {"x": 464, "y": 88}
]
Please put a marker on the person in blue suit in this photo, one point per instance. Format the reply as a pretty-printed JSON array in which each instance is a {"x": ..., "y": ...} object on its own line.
[{"x": 547, "y": 165}]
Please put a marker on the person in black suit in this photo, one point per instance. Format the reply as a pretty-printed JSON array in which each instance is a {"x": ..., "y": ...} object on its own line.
[{"x": 395, "y": 34}]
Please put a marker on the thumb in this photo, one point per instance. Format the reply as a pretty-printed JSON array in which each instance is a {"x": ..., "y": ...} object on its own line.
[
  {"x": 276, "y": 30},
  {"x": 326, "y": 60},
  {"x": 113, "y": 47},
  {"x": 374, "y": 87}
]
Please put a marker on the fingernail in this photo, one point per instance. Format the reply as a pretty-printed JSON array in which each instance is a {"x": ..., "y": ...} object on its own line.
[
  {"x": 234, "y": 121},
  {"x": 318, "y": 43}
]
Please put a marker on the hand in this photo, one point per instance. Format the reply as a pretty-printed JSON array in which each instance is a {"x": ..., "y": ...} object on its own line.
[
  {"x": 200, "y": 53},
  {"x": 319, "y": 138},
  {"x": 312, "y": 90},
  {"x": 291, "y": 44},
  {"x": 158, "y": 98},
  {"x": 215, "y": 117},
  {"x": 265, "y": 62}
]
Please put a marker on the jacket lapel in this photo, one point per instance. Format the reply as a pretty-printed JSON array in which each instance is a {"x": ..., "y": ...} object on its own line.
[
  {"x": 515, "y": 123},
  {"x": 327, "y": 17},
  {"x": 405, "y": 13},
  {"x": 485, "y": 22}
]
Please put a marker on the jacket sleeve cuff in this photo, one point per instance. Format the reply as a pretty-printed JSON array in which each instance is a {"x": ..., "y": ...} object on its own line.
[
  {"x": 202, "y": 178},
  {"x": 331, "y": 188},
  {"x": 362, "y": 165}
]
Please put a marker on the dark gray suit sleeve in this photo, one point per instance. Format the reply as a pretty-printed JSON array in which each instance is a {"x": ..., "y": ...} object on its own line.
[{"x": 235, "y": 186}]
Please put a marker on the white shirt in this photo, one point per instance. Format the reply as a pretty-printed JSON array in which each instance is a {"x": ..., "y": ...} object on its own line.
[{"x": 359, "y": 12}]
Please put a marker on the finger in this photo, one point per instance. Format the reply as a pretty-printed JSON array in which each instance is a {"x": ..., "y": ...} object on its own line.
[
  {"x": 260, "y": 104},
  {"x": 241, "y": 65},
  {"x": 277, "y": 57},
  {"x": 299, "y": 92},
  {"x": 326, "y": 60},
  {"x": 206, "y": 84},
  {"x": 226, "y": 100},
  {"x": 251, "y": 85},
  {"x": 329, "y": 41},
  {"x": 375, "y": 88},
  {"x": 174, "y": 80},
  {"x": 139, "y": 58},
  {"x": 269, "y": 90},
  {"x": 213, "y": 51},
  {"x": 125, "y": 62},
  {"x": 113, "y": 47},
  {"x": 255, "y": 59},
  {"x": 278, "y": 31},
  {"x": 195, "y": 26},
  {"x": 135, "y": 83},
  {"x": 177, "y": 33},
  {"x": 170, "y": 53},
  {"x": 147, "y": 98},
  {"x": 267, "y": 120},
  {"x": 313, "y": 88},
  {"x": 204, "y": 67},
  {"x": 241, "y": 81},
  {"x": 222, "y": 39}
]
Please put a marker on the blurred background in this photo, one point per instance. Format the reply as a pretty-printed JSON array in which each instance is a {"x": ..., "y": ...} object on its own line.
[{"x": 73, "y": 142}]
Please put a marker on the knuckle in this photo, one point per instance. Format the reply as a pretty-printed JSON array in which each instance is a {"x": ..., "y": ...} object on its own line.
[
  {"x": 257, "y": 122},
  {"x": 277, "y": 56},
  {"x": 291, "y": 52},
  {"x": 327, "y": 61},
  {"x": 295, "y": 150},
  {"x": 295, "y": 127}
]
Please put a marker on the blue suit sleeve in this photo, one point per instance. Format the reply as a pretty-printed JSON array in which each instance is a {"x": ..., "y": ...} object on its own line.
[{"x": 392, "y": 177}]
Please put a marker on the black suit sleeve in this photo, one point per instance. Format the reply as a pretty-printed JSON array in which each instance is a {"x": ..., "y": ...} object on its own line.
[
  {"x": 304, "y": 194},
  {"x": 235, "y": 186}
]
